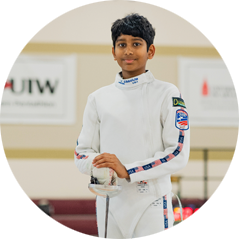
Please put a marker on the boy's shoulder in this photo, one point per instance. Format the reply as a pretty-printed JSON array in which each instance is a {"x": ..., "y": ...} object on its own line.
[
  {"x": 164, "y": 86},
  {"x": 103, "y": 89}
]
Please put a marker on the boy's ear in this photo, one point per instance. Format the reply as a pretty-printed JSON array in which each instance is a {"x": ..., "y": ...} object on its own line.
[
  {"x": 113, "y": 53},
  {"x": 151, "y": 51}
]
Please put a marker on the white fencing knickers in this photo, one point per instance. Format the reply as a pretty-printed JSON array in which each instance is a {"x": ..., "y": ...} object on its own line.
[{"x": 156, "y": 218}]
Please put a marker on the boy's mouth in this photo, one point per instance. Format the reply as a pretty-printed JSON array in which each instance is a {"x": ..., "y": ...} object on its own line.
[{"x": 128, "y": 60}]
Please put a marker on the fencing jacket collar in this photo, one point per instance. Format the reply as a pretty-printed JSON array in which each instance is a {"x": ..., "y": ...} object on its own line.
[{"x": 146, "y": 77}]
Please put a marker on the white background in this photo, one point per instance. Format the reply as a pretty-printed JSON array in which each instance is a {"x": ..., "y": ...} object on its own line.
[{"x": 218, "y": 21}]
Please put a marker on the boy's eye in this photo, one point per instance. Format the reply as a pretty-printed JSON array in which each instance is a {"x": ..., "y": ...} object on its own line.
[
  {"x": 121, "y": 44},
  {"x": 136, "y": 44}
]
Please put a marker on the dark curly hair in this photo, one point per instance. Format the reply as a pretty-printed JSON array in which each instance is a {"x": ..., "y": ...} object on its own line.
[{"x": 134, "y": 25}]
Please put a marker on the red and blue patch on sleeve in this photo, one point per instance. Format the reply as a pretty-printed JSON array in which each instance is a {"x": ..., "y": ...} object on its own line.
[
  {"x": 78, "y": 156},
  {"x": 181, "y": 121}
]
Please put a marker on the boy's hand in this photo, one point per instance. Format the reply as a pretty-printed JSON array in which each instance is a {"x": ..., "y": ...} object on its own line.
[{"x": 110, "y": 161}]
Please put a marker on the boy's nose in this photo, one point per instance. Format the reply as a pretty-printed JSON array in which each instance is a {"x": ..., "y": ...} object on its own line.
[{"x": 128, "y": 50}]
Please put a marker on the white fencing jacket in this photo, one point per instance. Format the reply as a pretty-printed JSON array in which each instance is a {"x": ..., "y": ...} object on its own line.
[{"x": 144, "y": 122}]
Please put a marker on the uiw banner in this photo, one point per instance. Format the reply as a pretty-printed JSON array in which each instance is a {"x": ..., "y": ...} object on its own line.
[
  {"x": 40, "y": 90},
  {"x": 208, "y": 91}
]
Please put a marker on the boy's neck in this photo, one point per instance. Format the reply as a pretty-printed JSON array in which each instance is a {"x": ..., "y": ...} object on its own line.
[{"x": 126, "y": 75}]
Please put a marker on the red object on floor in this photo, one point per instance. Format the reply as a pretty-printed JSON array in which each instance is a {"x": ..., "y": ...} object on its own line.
[
  {"x": 196, "y": 209},
  {"x": 187, "y": 213},
  {"x": 177, "y": 216}
]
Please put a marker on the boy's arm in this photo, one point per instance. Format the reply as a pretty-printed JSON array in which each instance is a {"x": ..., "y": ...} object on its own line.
[
  {"x": 88, "y": 144},
  {"x": 176, "y": 141}
]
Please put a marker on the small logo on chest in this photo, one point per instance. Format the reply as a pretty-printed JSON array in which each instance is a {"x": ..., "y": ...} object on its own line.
[
  {"x": 142, "y": 187},
  {"x": 129, "y": 81}
]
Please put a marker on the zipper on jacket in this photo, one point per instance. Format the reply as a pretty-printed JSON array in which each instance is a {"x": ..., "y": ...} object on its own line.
[
  {"x": 147, "y": 119},
  {"x": 148, "y": 131}
]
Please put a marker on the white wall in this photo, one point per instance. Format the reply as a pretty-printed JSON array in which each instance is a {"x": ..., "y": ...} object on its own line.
[
  {"x": 60, "y": 179},
  {"x": 51, "y": 178},
  {"x": 92, "y": 23}
]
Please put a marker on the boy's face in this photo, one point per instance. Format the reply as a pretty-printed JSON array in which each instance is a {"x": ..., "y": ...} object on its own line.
[{"x": 131, "y": 54}]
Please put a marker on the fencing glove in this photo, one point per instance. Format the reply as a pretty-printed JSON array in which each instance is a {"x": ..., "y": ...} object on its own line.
[{"x": 105, "y": 176}]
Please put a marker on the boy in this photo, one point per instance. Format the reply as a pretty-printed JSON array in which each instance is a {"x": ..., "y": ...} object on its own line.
[{"x": 136, "y": 128}]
